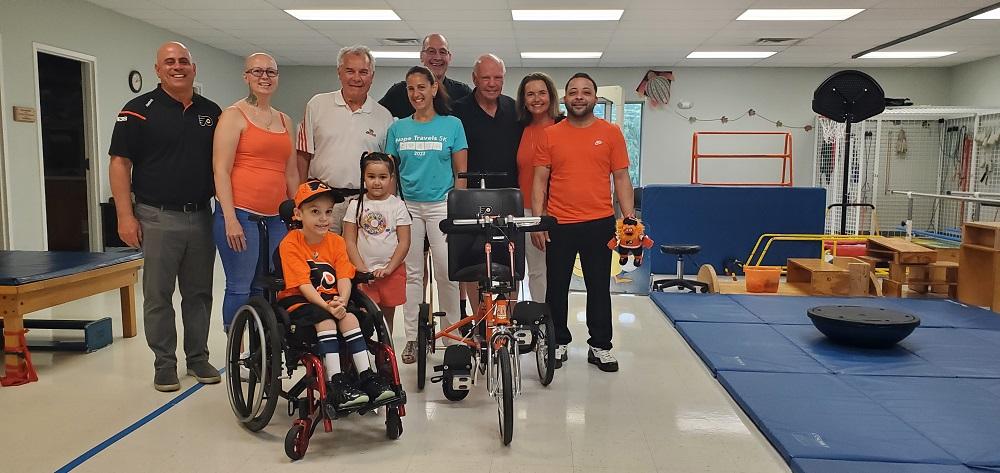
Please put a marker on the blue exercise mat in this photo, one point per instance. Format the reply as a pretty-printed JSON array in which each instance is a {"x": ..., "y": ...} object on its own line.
[
  {"x": 960, "y": 352},
  {"x": 946, "y": 313},
  {"x": 746, "y": 347},
  {"x": 810, "y": 465},
  {"x": 687, "y": 307},
  {"x": 820, "y": 416},
  {"x": 792, "y": 310},
  {"x": 956, "y": 415},
  {"x": 841, "y": 359}
]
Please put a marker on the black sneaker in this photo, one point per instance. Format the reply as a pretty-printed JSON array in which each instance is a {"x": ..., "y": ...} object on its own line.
[
  {"x": 603, "y": 359},
  {"x": 373, "y": 385},
  {"x": 343, "y": 395}
]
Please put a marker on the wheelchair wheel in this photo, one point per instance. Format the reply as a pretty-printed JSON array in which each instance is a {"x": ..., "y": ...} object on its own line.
[
  {"x": 451, "y": 393},
  {"x": 422, "y": 342},
  {"x": 393, "y": 423},
  {"x": 545, "y": 351},
  {"x": 297, "y": 441},
  {"x": 254, "y": 331},
  {"x": 505, "y": 396}
]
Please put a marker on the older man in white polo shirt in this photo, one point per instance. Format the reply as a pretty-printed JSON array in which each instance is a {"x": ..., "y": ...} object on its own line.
[{"x": 339, "y": 126}]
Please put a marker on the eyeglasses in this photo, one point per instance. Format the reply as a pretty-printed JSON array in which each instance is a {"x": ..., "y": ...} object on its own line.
[
  {"x": 436, "y": 52},
  {"x": 258, "y": 72}
]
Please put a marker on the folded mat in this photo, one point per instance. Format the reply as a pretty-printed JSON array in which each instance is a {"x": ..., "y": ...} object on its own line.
[
  {"x": 746, "y": 347},
  {"x": 842, "y": 359},
  {"x": 956, "y": 415},
  {"x": 820, "y": 416},
  {"x": 960, "y": 352},
  {"x": 791, "y": 310},
  {"x": 809, "y": 465},
  {"x": 687, "y": 307}
]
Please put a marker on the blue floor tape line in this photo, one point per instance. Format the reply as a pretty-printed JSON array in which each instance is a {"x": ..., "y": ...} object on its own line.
[{"x": 132, "y": 428}]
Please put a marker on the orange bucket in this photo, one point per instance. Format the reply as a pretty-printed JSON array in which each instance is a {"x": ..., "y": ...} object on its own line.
[{"x": 762, "y": 278}]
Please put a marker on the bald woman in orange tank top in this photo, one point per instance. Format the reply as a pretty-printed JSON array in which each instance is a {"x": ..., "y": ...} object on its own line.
[{"x": 255, "y": 170}]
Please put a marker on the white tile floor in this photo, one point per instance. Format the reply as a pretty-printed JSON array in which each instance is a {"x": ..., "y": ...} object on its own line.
[{"x": 663, "y": 412}]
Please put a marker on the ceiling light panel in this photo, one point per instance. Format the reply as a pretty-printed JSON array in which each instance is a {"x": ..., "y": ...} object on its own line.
[
  {"x": 799, "y": 14},
  {"x": 730, "y": 54},
  {"x": 907, "y": 54},
  {"x": 561, "y": 55},
  {"x": 344, "y": 15},
  {"x": 396, "y": 54},
  {"x": 566, "y": 15},
  {"x": 993, "y": 14}
]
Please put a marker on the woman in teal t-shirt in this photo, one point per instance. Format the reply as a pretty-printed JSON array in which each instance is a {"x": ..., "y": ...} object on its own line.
[{"x": 431, "y": 149}]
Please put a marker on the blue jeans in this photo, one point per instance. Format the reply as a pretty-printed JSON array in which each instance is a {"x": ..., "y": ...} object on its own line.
[{"x": 240, "y": 266}]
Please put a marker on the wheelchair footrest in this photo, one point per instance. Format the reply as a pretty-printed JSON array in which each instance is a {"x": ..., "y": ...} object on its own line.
[
  {"x": 457, "y": 365},
  {"x": 371, "y": 406}
]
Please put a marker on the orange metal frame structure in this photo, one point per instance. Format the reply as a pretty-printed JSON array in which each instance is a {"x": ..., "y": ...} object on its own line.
[{"x": 785, "y": 157}]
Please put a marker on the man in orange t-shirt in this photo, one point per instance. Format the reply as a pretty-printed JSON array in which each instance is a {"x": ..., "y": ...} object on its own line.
[{"x": 574, "y": 165}]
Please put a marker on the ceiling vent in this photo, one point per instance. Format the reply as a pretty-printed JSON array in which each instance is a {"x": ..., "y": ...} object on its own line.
[
  {"x": 777, "y": 41},
  {"x": 399, "y": 42}
]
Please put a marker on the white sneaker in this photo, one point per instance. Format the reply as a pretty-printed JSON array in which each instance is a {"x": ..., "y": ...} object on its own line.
[
  {"x": 603, "y": 359},
  {"x": 561, "y": 355},
  {"x": 244, "y": 371}
]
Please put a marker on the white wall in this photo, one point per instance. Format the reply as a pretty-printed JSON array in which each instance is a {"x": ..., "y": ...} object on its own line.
[
  {"x": 778, "y": 93},
  {"x": 976, "y": 84},
  {"x": 120, "y": 44}
]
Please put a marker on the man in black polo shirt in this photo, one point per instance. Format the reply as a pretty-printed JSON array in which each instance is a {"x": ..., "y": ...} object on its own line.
[
  {"x": 492, "y": 131},
  {"x": 161, "y": 151},
  {"x": 435, "y": 56}
]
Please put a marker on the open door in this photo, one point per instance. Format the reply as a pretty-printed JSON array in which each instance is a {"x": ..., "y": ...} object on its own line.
[{"x": 66, "y": 123}]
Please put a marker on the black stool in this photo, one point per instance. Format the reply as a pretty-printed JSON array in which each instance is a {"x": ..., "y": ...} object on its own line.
[{"x": 679, "y": 281}]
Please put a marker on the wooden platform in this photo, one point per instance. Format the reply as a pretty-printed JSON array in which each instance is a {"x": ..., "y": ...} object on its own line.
[{"x": 900, "y": 251}]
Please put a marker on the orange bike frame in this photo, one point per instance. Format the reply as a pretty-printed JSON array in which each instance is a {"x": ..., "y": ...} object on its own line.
[{"x": 495, "y": 312}]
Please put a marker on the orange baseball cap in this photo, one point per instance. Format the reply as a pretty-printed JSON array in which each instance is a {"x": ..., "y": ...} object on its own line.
[{"x": 312, "y": 189}]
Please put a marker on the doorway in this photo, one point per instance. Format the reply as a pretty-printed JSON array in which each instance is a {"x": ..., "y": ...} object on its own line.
[{"x": 66, "y": 112}]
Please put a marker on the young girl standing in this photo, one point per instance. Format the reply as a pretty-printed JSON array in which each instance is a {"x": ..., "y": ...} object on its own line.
[{"x": 377, "y": 230}]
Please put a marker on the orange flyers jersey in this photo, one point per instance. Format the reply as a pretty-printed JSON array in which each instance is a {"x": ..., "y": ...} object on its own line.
[{"x": 320, "y": 265}]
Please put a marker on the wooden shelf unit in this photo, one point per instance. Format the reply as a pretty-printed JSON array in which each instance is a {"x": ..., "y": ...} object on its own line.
[{"x": 979, "y": 265}]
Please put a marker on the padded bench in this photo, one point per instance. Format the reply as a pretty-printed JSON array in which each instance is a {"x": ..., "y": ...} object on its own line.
[{"x": 36, "y": 280}]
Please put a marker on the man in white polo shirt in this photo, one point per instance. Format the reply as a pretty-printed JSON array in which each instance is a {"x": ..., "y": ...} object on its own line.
[{"x": 339, "y": 126}]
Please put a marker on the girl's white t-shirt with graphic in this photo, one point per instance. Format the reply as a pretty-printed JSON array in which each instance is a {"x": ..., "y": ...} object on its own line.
[{"x": 377, "y": 238}]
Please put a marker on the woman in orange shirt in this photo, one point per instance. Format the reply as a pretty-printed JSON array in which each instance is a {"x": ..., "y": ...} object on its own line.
[
  {"x": 537, "y": 108},
  {"x": 254, "y": 164}
]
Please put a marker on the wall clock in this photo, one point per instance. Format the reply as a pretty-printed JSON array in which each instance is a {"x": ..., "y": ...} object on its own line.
[{"x": 135, "y": 81}]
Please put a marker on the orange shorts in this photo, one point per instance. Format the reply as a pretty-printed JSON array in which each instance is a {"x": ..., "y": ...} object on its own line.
[{"x": 389, "y": 291}]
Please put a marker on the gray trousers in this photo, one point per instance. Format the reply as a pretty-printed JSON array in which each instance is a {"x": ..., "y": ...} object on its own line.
[{"x": 178, "y": 249}]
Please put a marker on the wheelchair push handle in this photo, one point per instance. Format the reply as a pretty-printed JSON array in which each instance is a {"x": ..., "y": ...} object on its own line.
[
  {"x": 476, "y": 225},
  {"x": 481, "y": 176},
  {"x": 363, "y": 277}
]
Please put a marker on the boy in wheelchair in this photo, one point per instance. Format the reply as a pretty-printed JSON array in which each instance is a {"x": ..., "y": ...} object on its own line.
[{"x": 317, "y": 275}]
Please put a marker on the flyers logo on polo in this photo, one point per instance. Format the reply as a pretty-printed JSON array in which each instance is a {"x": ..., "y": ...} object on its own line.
[
  {"x": 322, "y": 276},
  {"x": 205, "y": 120}
]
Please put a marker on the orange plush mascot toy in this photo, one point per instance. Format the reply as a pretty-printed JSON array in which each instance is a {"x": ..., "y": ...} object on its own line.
[{"x": 630, "y": 237}]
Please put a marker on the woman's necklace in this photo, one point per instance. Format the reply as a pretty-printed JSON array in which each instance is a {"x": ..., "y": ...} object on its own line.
[{"x": 257, "y": 112}]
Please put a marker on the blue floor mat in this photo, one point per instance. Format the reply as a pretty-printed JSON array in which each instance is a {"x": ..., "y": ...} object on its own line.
[
  {"x": 956, "y": 415},
  {"x": 807, "y": 465},
  {"x": 746, "y": 347},
  {"x": 946, "y": 313},
  {"x": 841, "y": 359},
  {"x": 820, "y": 416},
  {"x": 685, "y": 307},
  {"x": 960, "y": 352},
  {"x": 792, "y": 310}
]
